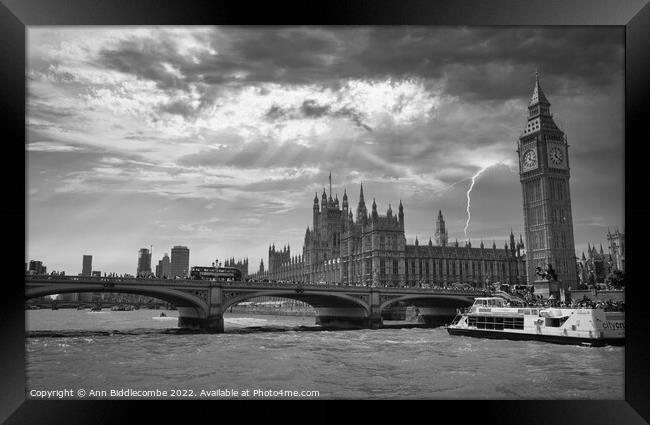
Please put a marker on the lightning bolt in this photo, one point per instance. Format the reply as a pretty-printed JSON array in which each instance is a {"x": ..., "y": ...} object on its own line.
[{"x": 471, "y": 186}]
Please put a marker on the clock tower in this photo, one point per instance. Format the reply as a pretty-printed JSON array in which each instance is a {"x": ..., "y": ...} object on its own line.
[{"x": 544, "y": 176}]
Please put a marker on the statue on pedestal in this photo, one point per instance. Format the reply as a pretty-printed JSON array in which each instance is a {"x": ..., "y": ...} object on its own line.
[{"x": 547, "y": 274}]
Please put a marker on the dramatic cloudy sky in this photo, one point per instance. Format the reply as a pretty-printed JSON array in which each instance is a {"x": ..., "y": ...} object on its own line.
[{"x": 218, "y": 137}]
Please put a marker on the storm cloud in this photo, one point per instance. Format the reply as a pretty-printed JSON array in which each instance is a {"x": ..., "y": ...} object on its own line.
[{"x": 218, "y": 137}]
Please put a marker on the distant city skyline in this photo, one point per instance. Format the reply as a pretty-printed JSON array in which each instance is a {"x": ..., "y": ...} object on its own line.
[{"x": 216, "y": 138}]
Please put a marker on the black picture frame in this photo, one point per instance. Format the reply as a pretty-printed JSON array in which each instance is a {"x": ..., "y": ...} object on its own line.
[{"x": 16, "y": 15}]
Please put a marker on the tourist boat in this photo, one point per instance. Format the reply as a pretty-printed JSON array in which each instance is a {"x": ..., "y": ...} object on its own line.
[{"x": 489, "y": 317}]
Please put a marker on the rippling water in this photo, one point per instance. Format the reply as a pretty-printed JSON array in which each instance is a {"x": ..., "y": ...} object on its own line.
[{"x": 138, "y": 350}]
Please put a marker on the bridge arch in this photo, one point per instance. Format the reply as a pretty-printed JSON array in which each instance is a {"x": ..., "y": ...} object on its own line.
[
  {"x": 176, "y": 297},
  {"x": 315, "y": 299},
  {"x": 430, "y": 300}
]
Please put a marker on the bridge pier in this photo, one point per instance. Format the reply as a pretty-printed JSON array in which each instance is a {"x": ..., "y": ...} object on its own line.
[
  {"x": 345, "y": 318},
  {"x": 437, "y": 316},
  {"x": 343, "y": 322},
  {"x": 213, "y": 324},
  {"x": 209, "y": 321}
]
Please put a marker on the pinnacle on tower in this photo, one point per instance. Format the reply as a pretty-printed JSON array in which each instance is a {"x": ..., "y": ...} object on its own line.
[
  {"x": 538, "y": 95},
  {"x": 330, "y": 184}
]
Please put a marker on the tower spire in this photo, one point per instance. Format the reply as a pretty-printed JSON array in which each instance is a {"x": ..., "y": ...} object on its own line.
[{"x": 330, "y": 184}]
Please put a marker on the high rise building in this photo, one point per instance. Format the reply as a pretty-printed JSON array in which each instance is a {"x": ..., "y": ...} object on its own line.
[
  {"x": 180, "y": 262},
  {"x": 164, "y": 268},
  {"x": 144, "y": 262},
  {"x": 544, "y": 175},
  {"x": 87, "y": 266},
  {"x": 37, "y": 267}
]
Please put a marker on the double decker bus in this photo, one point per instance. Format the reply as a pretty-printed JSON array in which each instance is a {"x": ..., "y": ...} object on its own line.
[{"x": 215, "y": 273}]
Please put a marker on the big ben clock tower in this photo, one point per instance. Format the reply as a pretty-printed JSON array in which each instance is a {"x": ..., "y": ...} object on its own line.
[{"x": 544, "y": 176}]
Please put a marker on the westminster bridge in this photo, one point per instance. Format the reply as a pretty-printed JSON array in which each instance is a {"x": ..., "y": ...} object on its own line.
[{"x": 201, "y": 303}]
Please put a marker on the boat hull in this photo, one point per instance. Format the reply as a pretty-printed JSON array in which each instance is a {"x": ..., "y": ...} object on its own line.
[{"x": 556, "y": 339}]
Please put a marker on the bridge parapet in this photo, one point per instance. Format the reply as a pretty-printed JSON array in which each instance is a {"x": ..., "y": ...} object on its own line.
[{"x": 201, "y": 303}]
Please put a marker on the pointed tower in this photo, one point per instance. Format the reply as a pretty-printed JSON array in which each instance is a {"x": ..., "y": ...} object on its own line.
[
  {"x": 344, "y": 205},
  {"x": 400, "y": 214},
  {"x": 544, "y": 175},
  {"x": 316, "y": 212},
  {"x": 375, "y": 215},
  {"x": 330, "y": 185},
  {"x": 512, "y": 242},
  {"x": 362, "y": 211},
  {"x": 441, "y": 232}
]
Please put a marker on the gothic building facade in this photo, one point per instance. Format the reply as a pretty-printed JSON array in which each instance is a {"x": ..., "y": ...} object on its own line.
[
  {"x": 371, "y": 250},
  {"x": 616, "y": 242},
  {"x": 597, "y": 264},
  {"x": 242, "y": 265}
]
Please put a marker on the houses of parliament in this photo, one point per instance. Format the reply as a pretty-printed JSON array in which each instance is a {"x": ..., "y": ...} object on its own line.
[{"x": 370, "y": 249}]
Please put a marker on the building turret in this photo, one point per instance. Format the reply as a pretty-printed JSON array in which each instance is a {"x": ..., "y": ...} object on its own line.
[
  {"x": 389, "y": 213},
  {"x": 400, "y": 213},
  {"x": 362, "y": 212},
  {"x": 330, "y": 186},
  {"x": 430, "y": 241},
  {"x": 441, "y": 232},
  {"x": 494, "y": 245},
  {"x": 601, "y": 249},
  {"x": 417, "y": 243},
  {"x": 512, "y": 241},
  {"x": 583, "y": 256},
  {"x": 482, "y": 246},
  {"x": 323, "y": 203},
  {"x": 456, "y": 243},
  {"x": 374, "y": 210},
  {"x": 345, "y": 201}
]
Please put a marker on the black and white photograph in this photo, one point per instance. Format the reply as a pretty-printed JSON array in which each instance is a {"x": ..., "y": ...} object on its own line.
[{"x": 325, "y": 212}]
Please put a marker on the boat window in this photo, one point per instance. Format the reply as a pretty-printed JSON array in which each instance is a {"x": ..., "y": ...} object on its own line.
[
  {"x": 555, "y": 322},
  {"x": 496, "y": 323}
]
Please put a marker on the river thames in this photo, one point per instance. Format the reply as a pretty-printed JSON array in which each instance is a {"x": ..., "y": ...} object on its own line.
[{"x": 139, "y": 350}]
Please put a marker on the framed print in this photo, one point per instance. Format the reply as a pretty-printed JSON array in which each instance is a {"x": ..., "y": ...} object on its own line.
[{"x": 413, "y": 202}]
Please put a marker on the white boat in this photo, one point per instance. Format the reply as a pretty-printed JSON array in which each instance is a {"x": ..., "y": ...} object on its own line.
[{"x": 489, "y": 317}]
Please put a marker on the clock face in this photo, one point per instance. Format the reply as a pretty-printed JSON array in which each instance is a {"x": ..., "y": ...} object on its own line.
[
  {"x": 530, "y": 158},
  {"x": 556, "y": 156}
]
